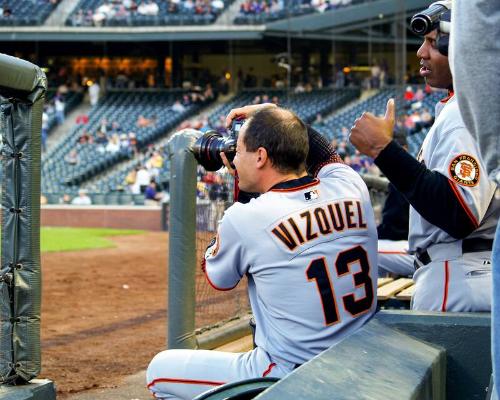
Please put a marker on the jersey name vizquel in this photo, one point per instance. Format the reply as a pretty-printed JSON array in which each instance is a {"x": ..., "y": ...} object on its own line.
[{"x": 308, "y": 225}]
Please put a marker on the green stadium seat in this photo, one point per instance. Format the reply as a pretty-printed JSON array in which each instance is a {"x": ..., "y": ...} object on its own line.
[
  {"x": 139, "y": 199},
  {"x": 125, "y": 199},
  {"x": 98, "y": 198}
]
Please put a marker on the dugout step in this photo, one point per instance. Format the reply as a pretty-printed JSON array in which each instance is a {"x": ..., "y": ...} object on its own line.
[{"x": 37, "y": 389}]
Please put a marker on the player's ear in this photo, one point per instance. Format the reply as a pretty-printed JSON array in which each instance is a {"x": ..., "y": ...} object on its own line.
[{"x": 261, "y": 157}]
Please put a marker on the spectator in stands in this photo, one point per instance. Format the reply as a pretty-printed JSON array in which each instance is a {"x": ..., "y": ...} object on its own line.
[
  {"x": 72, "y": 158},
  {"x": 218, "y": 194},
  {"x": 45, "y": 129},
  {"x": 409, "y": 95},
  {"x": 114, "y": 144},
  {"x": 7, "y": 12},
  {"x": 101, "y": 141},
  {"x": 319, "y": 119},
  {"x": 65, "y": 199},
  {"x": 94, "y": 90},
  {"x": 340, "y": 78},
  {"x": 148, "y": 8},
  {"x": 342, "y": 149},
  {"x": 155, "y": 164},
  {"x": 186, "y": 100},
  {"x": 132, "y": 141},
  {"x": 130, "y": 180},
  {"x": 78, "y": 18},
  {"x": 151, "y": 192},
  {"x": 143, "y": 122},
  {"x": 59, "y": 107},
  {"x": 375, "y": 75},
  {"x": 82, "y": 199},
  {"x": 124, "y": 142},
  {"x": 104, "y": 126},
  {"x": 178, "y": 107},
  {"x": 143, "y": 179},
  {"x": 85, "y": 137}
]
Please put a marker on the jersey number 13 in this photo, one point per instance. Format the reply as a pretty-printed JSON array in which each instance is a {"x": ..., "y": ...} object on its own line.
[{"x": 318, "y": 271}]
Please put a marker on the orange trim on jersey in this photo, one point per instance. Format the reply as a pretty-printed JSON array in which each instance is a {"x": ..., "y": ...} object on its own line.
[
  {"x": 268, "y": 370},
  {"x": 184, "y": 381},
  {"x": 297, "y": 188},
  {"x": 451, "y": 93},
  {"x": 446, "y": 283},
  {"x": 215, "y": 286},
  {"x": 462, "y": 202},
  {"x": 393, "y": 252}
]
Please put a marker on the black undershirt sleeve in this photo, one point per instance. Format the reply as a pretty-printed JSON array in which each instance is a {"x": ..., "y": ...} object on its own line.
[
  {"x": 320, "y": 153},
  {"x": 429, "y": 192}
]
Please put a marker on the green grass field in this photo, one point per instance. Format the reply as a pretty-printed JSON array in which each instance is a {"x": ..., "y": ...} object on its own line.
[{"x": 72, "y": 239}]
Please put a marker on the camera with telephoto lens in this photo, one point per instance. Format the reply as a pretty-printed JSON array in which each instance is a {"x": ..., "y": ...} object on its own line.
[
  {"x": 208, "y": 147},
  {"x": 437, "y": 16}
]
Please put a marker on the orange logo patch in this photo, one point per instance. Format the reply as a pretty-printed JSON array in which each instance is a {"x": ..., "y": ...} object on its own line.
[{"x": 464, "y": 170}]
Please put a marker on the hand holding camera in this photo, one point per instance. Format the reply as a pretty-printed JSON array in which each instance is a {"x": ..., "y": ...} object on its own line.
[{"x": 208, "y": 148}]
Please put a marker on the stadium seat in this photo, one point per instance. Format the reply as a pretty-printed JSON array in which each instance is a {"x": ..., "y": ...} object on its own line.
[{"x": 242, "y": 390}]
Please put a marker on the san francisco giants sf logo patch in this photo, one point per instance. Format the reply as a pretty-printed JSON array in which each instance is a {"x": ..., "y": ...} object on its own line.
[{"x": 464, "y": 170}]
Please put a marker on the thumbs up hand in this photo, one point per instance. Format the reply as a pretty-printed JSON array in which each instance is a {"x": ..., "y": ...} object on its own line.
[{"x": 371, "y": 134}]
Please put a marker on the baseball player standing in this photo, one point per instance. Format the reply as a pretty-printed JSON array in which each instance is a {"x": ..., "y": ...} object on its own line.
[
  {"x": 453, "y": 211},
  {"x": 308, "y": 246}
]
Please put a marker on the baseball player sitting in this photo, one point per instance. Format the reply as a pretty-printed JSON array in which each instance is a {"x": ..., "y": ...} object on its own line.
[
  {"x": 307, "y": 244},
  {"x": 453, "y": 211}
]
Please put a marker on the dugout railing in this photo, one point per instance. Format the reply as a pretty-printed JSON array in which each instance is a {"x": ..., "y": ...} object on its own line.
[{"x": 22, "y": 93}]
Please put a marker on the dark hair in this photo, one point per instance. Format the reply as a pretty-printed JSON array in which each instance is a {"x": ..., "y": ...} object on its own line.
[{"x": 282, "y": 134}]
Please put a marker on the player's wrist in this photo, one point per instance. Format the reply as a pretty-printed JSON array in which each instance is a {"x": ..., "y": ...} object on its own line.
[{"x": 378, "y": 147}]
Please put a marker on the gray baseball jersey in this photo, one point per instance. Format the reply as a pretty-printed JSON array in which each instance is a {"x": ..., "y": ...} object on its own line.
[
  {"x": 310, "y": 254},
  {"x": 450, "y": 150}
]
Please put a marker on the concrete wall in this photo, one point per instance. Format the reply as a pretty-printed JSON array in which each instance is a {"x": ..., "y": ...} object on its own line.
[{"x": 118, "y": 217}]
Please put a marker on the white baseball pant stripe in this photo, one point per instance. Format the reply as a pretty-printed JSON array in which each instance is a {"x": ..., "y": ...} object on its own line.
[{"x": 184, "y": 374}]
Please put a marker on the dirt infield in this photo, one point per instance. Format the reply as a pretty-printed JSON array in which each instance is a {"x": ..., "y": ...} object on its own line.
[{"x": 104, "y": 312}]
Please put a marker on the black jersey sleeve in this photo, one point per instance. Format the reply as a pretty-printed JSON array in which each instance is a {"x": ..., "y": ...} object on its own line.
[
  {"x": 429, "y": 192},
  {"x": 320, "y": 153}
]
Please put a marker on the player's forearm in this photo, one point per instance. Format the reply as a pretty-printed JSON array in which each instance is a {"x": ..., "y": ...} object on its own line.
[
  {"x": 321, "y": 152},
  {"x": 429, "y": 192}
]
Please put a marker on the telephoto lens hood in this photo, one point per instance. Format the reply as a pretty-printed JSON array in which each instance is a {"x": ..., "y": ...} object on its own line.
[{"x": 427, "y": 20}]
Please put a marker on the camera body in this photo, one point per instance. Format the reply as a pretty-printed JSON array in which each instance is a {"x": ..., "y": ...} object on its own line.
[
  {"x": 208, "y": 147},
  {"x": 436, "y": 16}
]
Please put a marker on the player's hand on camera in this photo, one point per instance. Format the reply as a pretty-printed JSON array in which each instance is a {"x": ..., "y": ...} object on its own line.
[
  {"x": 371, "y": 134},
  {"x": 246, "y": 112},
  {"x": 228, "y": 165}
]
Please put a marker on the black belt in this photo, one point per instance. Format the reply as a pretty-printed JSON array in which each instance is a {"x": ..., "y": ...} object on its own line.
[{"x": 468, "y": 246}]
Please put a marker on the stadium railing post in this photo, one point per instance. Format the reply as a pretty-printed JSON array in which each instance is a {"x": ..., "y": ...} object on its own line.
[
  {"x": 22, "y": 93},
  {"x": 182, "y": 241}
]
